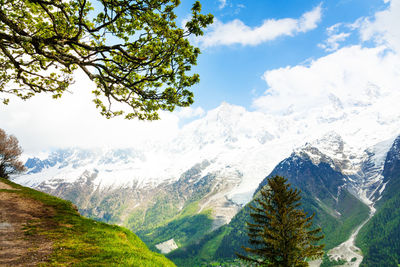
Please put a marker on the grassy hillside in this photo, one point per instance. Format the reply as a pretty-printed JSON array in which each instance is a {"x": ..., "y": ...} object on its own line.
[
  {"x": 80, "y": 241},
  {"x": 170, "y": 210}
]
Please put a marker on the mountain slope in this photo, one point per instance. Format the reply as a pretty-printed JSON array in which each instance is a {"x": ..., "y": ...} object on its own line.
[
  {"x": 324, "y": 193},
  {"x": 212, "y": 167},
  {"x": 178, "y": 205},
  {"x": 229, "y": 137},
  {"x": 380, "y": 238},
  {"x": 52, "y": 232}
]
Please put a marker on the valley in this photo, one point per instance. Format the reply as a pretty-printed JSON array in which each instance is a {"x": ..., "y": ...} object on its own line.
[
  {"x": 348, "y": 251},
  {"x": 153, "y": 127},
  {"x": 195, "y": 198}
]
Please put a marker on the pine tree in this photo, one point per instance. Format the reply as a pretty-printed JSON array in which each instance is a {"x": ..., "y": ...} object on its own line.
[{"x": 279, "y": 232}]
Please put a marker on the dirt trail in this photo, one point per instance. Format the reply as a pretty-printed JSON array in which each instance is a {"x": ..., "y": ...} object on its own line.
[
  {"x": 19, "y": 246},
  {"x": 6, "y": 186}
]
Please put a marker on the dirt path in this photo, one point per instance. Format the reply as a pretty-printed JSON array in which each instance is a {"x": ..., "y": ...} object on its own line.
[
  {"x": 6, "y": 186},
  {"x": 19, "y": 245}
]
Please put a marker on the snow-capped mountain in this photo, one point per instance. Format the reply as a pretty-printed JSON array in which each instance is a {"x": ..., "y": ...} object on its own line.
[
  {"x": 218, "y": 161},
  {"x": 341, "y": 190},
  {"x": 232, "y": 138},
  {"x": 363, "y": 170}
]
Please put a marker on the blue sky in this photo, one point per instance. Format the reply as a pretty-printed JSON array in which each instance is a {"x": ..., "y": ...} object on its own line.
[
  {"x": 233, "y": 72},
  {"x": 276, "y": 57}
]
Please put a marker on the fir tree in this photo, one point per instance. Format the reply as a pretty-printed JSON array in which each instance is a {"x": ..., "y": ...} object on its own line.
[{"x": 280, "y": 232}]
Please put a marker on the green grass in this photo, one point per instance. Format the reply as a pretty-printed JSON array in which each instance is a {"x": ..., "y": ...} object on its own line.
[
  {"x": 183, "y": 229},
  {"x": 212, "y": 246},
  {"x": 338, "y": 229},
  {"x": 79, "y": 241},
  {"x": 189, "y": 210},
  {"x": 159, "y": 214}
]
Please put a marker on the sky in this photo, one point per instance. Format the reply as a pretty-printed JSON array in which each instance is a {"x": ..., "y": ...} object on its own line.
[{"x": 270, "y": 56}]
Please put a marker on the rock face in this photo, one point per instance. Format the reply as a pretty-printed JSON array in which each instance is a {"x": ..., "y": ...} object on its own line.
[
  {"x": 167, "y": 246},
  {"x": 392, "y": 163}
]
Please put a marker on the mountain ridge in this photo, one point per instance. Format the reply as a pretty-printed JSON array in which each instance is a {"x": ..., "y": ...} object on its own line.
[
  {"x": 253, "y": 143},
  {"x": 212, "y": 168}
]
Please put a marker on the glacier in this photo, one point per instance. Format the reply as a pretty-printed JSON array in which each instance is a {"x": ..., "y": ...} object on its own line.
[{"x": 250, "y": 143}]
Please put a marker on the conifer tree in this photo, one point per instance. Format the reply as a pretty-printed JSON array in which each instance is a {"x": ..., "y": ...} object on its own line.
[{"x": 280, "y": 232}]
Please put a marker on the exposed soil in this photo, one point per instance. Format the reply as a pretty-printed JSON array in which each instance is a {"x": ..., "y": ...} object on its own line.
[
  {"x": 6, "y": 186},
  {"x": 20, "y": 245}
]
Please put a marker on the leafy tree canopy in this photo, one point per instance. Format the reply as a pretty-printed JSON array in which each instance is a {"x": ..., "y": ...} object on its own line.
[
  {"x": 279, "y": 233},
  {"x": 9, "y": 155},
  {"x": 132, "y": 49}
]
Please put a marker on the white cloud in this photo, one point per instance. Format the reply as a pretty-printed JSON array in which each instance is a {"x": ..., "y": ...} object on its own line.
[
  {"x": 308, "y": 21},
  {"x": 384, "y": 28},
  {"x": 334, "y": 28},
  {"x": 332, "y": 43},
  {"x": 236, "y": 32},
  {"x": 335, "y": 37},
  {"x": 42, "y": 123},
  {"x": 381, "y": 29},
  {"x": 189, "y": 112},
  {"x": 347, "y": 74},
  {"x": 353, "y": 75},
  {"x": 222, "y": 4}
]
